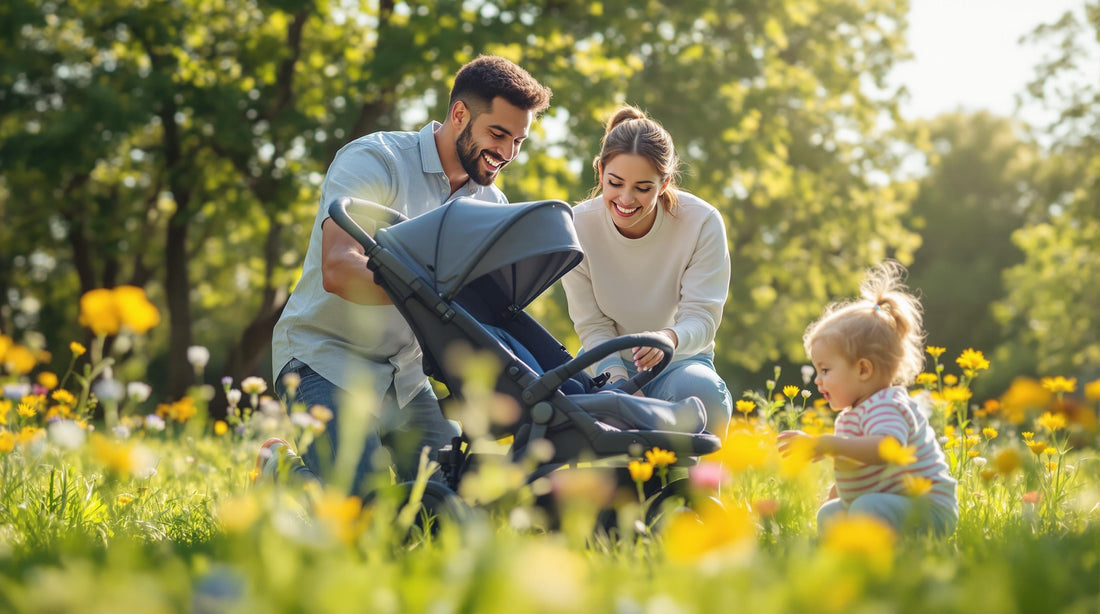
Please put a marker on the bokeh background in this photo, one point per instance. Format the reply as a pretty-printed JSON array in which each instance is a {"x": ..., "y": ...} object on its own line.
[{"x": 179, "y": 146}]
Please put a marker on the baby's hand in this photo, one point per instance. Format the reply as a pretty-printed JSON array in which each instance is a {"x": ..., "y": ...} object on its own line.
[{"x": 791, "y": 442}]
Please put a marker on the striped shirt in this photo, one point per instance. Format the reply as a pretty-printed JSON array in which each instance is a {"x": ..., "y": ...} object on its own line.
[{"x": 892, "y": 412}]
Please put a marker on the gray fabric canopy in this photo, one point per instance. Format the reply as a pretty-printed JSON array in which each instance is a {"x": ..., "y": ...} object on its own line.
[{"x": 523, "y": 248}]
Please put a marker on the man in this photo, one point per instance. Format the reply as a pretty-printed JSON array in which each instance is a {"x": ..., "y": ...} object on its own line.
[{"x": 339, "y": 329}]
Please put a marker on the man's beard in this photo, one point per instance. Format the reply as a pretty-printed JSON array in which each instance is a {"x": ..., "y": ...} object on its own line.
[{"x": 469, "y": 155}]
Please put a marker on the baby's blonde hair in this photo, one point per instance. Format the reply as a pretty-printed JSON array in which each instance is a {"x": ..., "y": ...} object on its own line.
[{"x": 883, "y": 326}]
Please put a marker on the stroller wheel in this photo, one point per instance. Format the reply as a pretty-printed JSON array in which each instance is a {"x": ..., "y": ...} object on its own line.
[
  {"x": 675, "y": 497},
  {"x": 439, "y": 505}
]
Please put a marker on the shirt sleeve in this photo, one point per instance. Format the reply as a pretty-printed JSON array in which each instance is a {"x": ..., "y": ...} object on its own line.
[
  {"x": 885, "y": 420},
  {"x": 703, "y": 289},
  {"x": 361, "y": 172},
  {"x": 592, "y": 325}
]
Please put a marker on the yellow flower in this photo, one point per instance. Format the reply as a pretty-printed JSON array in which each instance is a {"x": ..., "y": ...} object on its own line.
[
  {"x": 7, "y": 441},
  {"x": 63, "y": 396},
  {"x": 927, "y": 379},
  {"x": 5, "y": 408},
  {"x": 893, "y": 452},
  {"x": 1052, "y": 466},
  {"x": 341, "y": 515},
  {"x": 180, "y": 411},
  {"x": 1027, "y": 435},
  {"x": 19, "y": 359},
  {"x": 77, "y": 349},
  {"x": 972, "y": 360},
  {"x": 1092, "y": 390},
  {"x": 959, "y": 394},
  {"x": 1049, "y": 451},
  {"x": 935, "y": 351},
  {"x": 712, "y": 530},
  {"x": 660, "y": 458},
  {"x": 124, "y": 499},
  {"x": 105, "y": 311},
  {"x": 5, "y": 343},
  {"x": 950, "y": 379},
  {"x": 742, "y": 450},
  {"x": 917, "y": 486},
  {"x": 1051, "y": 422},
  {"x": 744, "y": 406},
  {"x": 99, "y": 313},
  {"x": 237, "y": 514},
  {"x": 863, "y": 538},
  {"x": 990, "y": 433},
  {"x": 135, "y": 310},
  {"x": 1037, "y": 446},
  {"x": 1007, "y": 461},
  {"x": 790, "y": 391},
  {"x": 640, "y": 471},
  {"x": 28, "y": 410},
  {"x": 48, "y": 380},
  {"x": 220, "y": 427},
  {"x": 1059, "y": 384},
  {"x": 115, "y": 456}
]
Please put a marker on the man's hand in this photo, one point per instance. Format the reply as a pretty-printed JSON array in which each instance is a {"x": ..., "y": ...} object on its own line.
[
  {"x": 647, "y": 357},
  {"x": 344, "y": 269}
]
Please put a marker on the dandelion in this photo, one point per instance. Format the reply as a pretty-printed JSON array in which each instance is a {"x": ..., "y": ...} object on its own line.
[
  {"x": 807, "y": 374},
  {"x": 1049, "y": 451},
  {"x": 19, "y": 360},
  {"x": 1059, "y": 385},
  {"x": 198, "y": 356},
  {"x": 972, "y": 360},
  {"x": 124, "y": 499},
  {"x": 935, "y": 351},
  {"x": 138, "y": 391},
  {"x": 745, "y": 407},
  {"x": 27, "y": 409},
  {"x": 77, "y": 349},
  {"x": 950, "y": 379},
  {"x": 989, "y": 433},
  {"x": 1051, "y": 422},
  {"x": 917, "y": 486},
  {"x": 893, "y": 452},
  {"x": 1027, "y": 435},
  {"x": 1037, "y": 446},
  {"x": 790, "y": 391},
  {"x": 220, "y": 428}
]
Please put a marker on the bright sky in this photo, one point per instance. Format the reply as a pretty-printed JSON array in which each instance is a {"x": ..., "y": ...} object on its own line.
[{"x": 967, "y": 53}]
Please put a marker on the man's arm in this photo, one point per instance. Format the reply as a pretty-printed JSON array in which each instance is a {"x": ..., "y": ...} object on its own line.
[{"x": 344, "y": 269}]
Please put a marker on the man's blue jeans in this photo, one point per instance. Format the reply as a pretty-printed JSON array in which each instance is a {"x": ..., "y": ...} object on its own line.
[{"x": 402, "y": 430}]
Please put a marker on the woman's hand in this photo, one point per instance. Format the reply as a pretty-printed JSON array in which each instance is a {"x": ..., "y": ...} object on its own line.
[{"x": 647, "y": 357}]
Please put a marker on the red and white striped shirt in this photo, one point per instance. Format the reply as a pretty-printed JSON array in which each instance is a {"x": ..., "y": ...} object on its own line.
[{"x": 892, "y": 412}]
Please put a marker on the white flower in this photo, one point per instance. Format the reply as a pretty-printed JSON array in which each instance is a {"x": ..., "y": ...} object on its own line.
[
  {"x": 138, "y": 391},
  {"x": 980, "y": 461},
  {"x": 253, "y": 385},
  {"x": 227, "y": 381},
  {"x": 66, "y": 434},
  {"x": 198, "y": 356},
  {"x": 302, "y": 419},
  {"x": 270, "y": 407},
  {"x": 233, "y": 396},
  {"x": 154, "y": 422},
  {"x": 17, "y": 391},
  {"x": 108, "y": 389},
  {"x": 145, "y": 462},
  {"x": 121, "y": 431},
  {"x": 807, "y": 374},
  {"x": 806, "y": 394}
]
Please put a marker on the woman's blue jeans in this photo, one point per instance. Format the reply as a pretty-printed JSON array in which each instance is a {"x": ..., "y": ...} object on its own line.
[{"x": 694, "y": 376}]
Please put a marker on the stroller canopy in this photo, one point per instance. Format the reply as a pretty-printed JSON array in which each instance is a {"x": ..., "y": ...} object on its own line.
[{"x": 522, "y": 248}]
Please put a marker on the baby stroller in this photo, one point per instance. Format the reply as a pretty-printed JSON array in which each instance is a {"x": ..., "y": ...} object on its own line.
[{"x": 462, "y": 274}]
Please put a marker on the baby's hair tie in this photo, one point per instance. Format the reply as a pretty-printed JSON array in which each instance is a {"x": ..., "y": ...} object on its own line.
[{"x": 878, "y": 307}]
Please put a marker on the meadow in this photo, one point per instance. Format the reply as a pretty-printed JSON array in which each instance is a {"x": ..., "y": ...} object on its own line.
[{"x": 108, "y": 505}]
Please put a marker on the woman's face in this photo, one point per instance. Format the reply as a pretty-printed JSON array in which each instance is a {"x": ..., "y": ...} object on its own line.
[{"x": 630, "y": 186}]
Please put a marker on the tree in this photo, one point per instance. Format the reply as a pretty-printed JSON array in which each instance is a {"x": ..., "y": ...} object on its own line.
[{"x": 1052, "y": 295}]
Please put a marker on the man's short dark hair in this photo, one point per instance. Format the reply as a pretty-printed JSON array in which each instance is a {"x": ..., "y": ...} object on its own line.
[{"x": 488, "y": 76}]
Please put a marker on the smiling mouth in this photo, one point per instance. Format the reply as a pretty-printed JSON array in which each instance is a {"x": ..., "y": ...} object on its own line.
[
  {"x": 624, "y": 211},
  {"x": 491, "y": 161}
]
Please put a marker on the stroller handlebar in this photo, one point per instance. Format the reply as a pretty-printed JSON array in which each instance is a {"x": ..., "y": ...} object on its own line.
[
  {"x": 544, "y": 386},
  {"x": 338, "y": 211}
]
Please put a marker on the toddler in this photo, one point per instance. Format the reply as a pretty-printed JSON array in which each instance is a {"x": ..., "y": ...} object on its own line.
[{"x": 865, "y": 353}]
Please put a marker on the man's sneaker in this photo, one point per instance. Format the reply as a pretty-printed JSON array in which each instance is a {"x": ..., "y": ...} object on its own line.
[{"x": 273, "y": 453}]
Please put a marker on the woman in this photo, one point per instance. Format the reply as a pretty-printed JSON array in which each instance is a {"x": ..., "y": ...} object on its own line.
[{"x": 656, "y": 260}]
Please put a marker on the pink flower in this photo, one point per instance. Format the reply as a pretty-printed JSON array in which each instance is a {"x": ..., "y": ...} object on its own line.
[
  {"x": 1031, "y": 497},
  {"x": 707, "y": 476}
]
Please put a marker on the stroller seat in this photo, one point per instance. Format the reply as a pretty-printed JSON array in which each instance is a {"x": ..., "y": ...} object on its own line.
[{"x": 462, "y": 275}]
